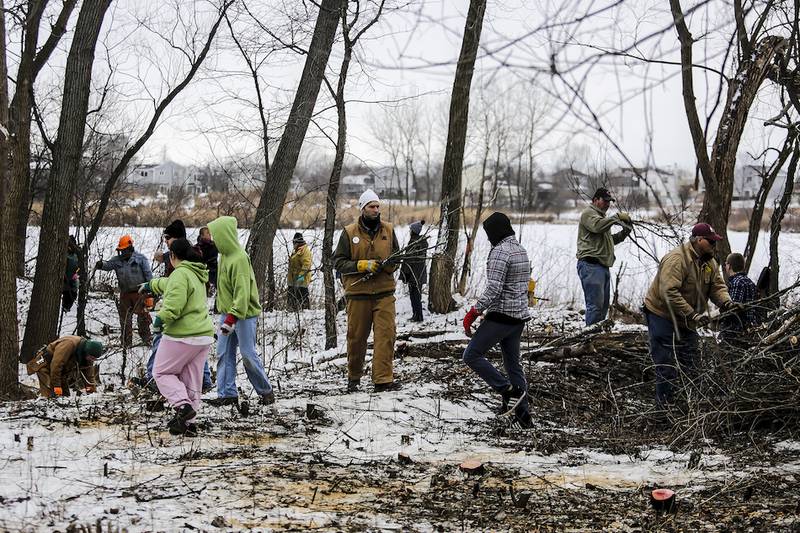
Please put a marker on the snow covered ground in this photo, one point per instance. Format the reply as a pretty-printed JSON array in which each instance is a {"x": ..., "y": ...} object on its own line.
[{"x": 320, "y": 458}]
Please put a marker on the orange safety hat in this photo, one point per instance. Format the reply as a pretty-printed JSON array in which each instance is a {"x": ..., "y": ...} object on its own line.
[{"x": 125, "y": 242}]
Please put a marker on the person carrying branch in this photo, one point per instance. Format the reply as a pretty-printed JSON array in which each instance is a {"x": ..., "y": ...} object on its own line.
[
  {"x": 298, "y": 276},
  {"x": 369, "y": 286},
  {"x": 187, "y": 334},
  {"x": 505, "y": 302},
  {"x": 677, "y": 304},
  {"x": 132, "y": 269},
  {"x": 67, "y": 362},
  {"x": 733, "y": 327},
  {"x": 596, "y": 253},
  {"x": 414, "y": 269}
]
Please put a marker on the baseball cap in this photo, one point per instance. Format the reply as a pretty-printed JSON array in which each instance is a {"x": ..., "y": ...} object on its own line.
[
  {"x": 706, "y": 232},
  {"x": 603, "y": 194}
]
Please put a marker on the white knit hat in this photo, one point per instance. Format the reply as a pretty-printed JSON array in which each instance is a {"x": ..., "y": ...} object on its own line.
[{"x": 367, "y": 197}]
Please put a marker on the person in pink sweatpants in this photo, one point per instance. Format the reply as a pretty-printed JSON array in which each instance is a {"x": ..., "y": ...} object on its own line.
[{"x": 187, "y": 334}]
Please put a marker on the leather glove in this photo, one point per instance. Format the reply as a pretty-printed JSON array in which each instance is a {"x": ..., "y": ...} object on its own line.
[
  {"x": 700, "y": 320},
  {"x": 99, "y": 264},
  {"x": 624, "y": 217},
  {"x": 730, "y": 305},
  {"x": 228, "y": 324},
  {"x": 368, "y": 265},
  {"x": 58, "y": 391},
  {"x": 531, "y": 286},
  {"x": 144, "y": 287},
  {"x": 158, "y": 325},
  {"x": 90, "y": 388},
  {"x": 470, "y": 317}
]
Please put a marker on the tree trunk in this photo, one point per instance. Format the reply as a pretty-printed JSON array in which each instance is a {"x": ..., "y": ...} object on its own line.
[
  {"x": 761, "y": 199},
  {"x": 273, "y": 196},
  {"x": 777, "y": 217},
  {"x": 443, "y": 262},
  {"x": 467, "y": 267},
  {"x": 9, "y": 367},
  {"x": 67, "y": 153}
]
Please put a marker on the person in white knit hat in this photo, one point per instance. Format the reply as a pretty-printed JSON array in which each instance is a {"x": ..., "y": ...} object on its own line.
[{"x": 361, "y": 259}]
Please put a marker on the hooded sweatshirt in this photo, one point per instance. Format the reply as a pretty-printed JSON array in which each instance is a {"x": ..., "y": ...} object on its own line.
[
  {"x": 237, "y": 293},
  {"x": 184, "y": 310}
]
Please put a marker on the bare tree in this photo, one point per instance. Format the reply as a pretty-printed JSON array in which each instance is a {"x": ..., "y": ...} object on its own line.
[
  {"x": 443, "y": 263},
  {"x": 270, "y": 207}
]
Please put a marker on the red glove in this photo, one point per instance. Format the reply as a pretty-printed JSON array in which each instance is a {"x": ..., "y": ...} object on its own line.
[
  {"x": 471, "y": 316},
  {"x": 228, "y": 324},
  {"x": 58, "y": 391}
]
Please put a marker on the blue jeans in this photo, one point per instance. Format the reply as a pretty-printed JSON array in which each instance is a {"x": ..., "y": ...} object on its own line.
[
  {"x": 665, "y": 348},
  {"x": 148, "y": 375},
  {"x": 596, "y": 282},
  {"x": 488, "y": 334},
  {"x": 243, "y": 337}
]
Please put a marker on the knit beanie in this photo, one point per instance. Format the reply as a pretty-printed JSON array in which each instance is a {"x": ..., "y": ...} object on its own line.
[
  {"x": 367, "y": 197},
  {"x": 497, "y": 227},
  {"x": 298, "y": 238},
  {"x": 416, "y": 227},
  {"x": 93, "y": 348},
  {"x": 176, "y": 230}
]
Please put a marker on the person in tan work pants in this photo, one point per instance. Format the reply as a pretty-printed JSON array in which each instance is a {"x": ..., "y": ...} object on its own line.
[
  {"x": 67, "y": 361},
  {"x": 363, "y": 258}
]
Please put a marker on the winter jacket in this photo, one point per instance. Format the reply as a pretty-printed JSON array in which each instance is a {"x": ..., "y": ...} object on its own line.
[
  {"x": 300, "y": 261},
  {"x": 358, "y": 242},
  {"x": 65, "y": 354},
  {"x": 183, "y": 310},
  {"x": 210, "y": 253},
  {"x": 414, "y": 270},
  {"x": 742, "y": 290},
  {"x": 507, "y": 273},
  {"x": 130, "y": 273},
  {"x": 71, "y": 273},
  {"x": 237, "y": 293},
  {"x": 683, "y": 285},
  {"x": 594, "y": 236}
]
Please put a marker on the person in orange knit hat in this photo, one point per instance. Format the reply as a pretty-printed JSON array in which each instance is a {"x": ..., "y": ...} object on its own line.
[{"x": 132, "y": 269}]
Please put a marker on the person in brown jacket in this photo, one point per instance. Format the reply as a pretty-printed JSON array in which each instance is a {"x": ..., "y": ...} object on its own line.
[
  {"x": 68, "y": 360},
  {"x": 677, "y": 304},
  {"x": 361, "y": 259}
]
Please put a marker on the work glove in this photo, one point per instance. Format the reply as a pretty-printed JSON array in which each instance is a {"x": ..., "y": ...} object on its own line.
[
  {"x": 730, "y": 305},
  {"x": 470, "y": 317},
  {"x": 624, "y": 217},
  {"x": 99, "y": 264},
  {"x": 700, "y": 320},
  {"x": 58, "y": 391},
  {"x": 228, "y": 324},
  {"x": 158, "y": 325},
  {"x": 368, "y": 265},
  {"x": 90, "y": 388},
  {"x": 531, "y": 286}
]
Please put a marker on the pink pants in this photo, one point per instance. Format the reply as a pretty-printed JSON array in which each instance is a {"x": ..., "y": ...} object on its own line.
[{"x": 178, "y": 371}]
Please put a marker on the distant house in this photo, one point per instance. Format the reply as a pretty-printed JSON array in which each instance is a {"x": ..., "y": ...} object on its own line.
[
  {"x": 747, "y": 182},
  {"x": 166, "y": 176},
  {"x": 385, "y": 181}
]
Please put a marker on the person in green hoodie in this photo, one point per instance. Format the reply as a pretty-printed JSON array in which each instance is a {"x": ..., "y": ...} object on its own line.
[
  {"x": 187, "y": 334},
  {"x": 239, "y": 308}
]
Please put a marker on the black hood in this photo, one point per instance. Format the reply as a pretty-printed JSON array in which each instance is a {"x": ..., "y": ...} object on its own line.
[{"x": 497, "y": 227}]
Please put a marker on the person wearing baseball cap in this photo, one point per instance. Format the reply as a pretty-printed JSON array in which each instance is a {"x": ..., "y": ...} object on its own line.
[
  {"x": 596, "y": 252},
  {"x": 677, "y": 304}
]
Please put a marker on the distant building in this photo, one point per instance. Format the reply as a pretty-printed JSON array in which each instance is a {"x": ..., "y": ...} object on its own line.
[
  {"x": 385, "y": 181},
  {"x": 747, "y": 182},
  {"x": 164, "y": 177}
]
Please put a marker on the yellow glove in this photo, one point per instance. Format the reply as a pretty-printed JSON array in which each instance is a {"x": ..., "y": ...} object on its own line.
[
  {"x": 368, "y": 265},
  {"x": 624, "y": 217},
  {"x": 531, "y": 286}
]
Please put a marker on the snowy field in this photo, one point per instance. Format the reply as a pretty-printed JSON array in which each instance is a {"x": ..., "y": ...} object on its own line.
[{"x": 320, "y": 459}]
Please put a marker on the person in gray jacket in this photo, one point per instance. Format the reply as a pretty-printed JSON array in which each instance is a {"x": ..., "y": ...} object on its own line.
[{"x": 132, "y": 269}]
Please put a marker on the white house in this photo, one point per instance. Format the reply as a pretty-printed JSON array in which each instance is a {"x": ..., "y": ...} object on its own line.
[{"x": 165, "y": 176}]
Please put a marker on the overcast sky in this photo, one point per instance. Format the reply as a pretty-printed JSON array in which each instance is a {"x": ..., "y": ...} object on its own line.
[{"x": 408, "y": 59}]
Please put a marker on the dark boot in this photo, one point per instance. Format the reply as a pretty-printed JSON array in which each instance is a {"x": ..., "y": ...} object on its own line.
[
  {"x": 512, "y": 397},
  {"x": 267, "y": 399},
  {"x": 178, "y": 426},
  {"x": 353, "y": 385},
  {"x": 386, "y": 387}
]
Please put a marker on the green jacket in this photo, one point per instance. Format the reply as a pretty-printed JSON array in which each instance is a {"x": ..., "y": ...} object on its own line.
[
  {"x": 595, "y": 238},
  {"x": 237, "y": 293},
  {"x": 184, "y": 311}
]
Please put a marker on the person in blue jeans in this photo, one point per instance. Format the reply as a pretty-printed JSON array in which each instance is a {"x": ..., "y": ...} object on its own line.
[
  {"x": 505, "y": 302},
  {"x": 596, "y": 253},
  {"x": 239, "y": 308}
]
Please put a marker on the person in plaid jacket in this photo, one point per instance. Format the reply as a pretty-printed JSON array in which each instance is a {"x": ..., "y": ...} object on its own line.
[
  {"x": 742, "y": 290},
  {"x": 505, "y": 304}
]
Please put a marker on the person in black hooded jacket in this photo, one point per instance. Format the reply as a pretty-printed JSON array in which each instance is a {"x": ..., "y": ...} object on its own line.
[{"x": 505, "y": 302}]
